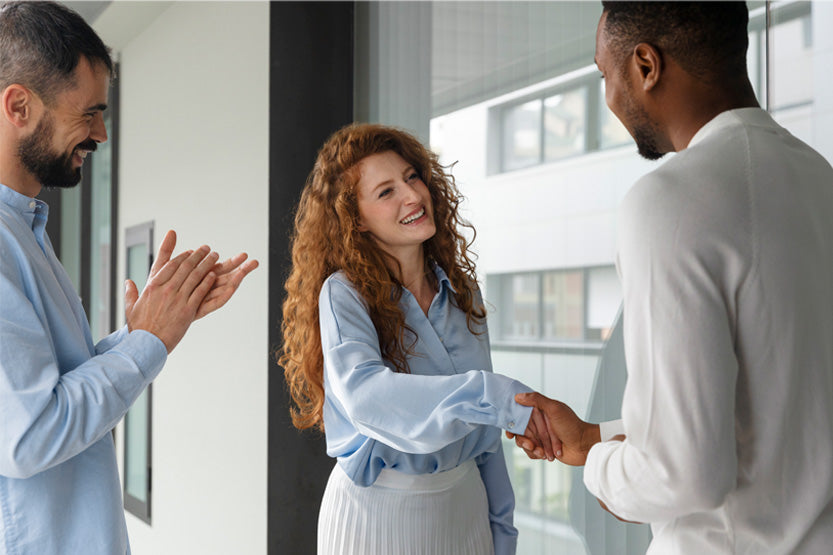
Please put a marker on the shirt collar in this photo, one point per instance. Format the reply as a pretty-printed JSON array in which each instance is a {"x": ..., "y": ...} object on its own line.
[
  {"x": 27, "y": 207},
  {"x": 442, "y": 277}
]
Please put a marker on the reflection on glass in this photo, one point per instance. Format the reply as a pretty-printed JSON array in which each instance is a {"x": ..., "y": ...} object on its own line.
[
  {"x": 519, "y": 300},
  {"x": 542, "y": 490},
  {"x": 564, "y": 117},
  {"x": 522, "y": 135},
  {"x": 136, "y": 435},
  {"x": 563, "y": 305},
  {"x": 137, "y": 265},
  {"x": 136, "y": 419}
]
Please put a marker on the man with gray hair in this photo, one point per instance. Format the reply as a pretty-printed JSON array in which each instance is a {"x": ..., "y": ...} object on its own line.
[{"x": 61, "y": 395}]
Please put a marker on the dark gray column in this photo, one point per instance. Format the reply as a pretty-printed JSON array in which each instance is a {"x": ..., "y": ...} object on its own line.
[{"x": 311, "y": 95}]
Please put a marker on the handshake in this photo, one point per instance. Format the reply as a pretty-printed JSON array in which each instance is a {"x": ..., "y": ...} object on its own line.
[{"x": 555, "y": 432}]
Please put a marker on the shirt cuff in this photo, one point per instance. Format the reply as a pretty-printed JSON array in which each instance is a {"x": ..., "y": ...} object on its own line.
[
  {"x": 609, "y": 430},
  {"x": 146, "y": 350},
  {"x": 504, "y": 544},
  {"x": 517, "y": 416}
]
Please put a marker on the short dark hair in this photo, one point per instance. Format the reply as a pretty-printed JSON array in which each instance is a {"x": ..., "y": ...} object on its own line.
[
  {"x": 708, "y": 39},
  {"x": 41, "y": 44}
]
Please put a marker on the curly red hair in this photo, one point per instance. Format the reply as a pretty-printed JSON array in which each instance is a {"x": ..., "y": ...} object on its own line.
[{"x": 326, "y": 239}]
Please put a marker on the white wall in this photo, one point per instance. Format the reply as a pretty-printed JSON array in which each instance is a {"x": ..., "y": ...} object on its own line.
[{"x": 194, "y": 136}]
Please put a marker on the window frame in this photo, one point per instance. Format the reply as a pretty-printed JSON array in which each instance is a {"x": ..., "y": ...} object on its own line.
[{"x": 139, "y": 235}]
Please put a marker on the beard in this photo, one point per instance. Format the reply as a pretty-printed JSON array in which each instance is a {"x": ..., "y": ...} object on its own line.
[
  {"x": 643, "y": 130},
  {"x": 646, "y": 143},
  {"x": 50, "y": 169}
]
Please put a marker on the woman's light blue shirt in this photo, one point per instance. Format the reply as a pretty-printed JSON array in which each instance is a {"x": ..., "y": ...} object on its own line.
[{"x": 449, "y": 409}]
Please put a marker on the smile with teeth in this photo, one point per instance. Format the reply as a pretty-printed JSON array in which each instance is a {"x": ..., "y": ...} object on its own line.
[{"x": 413, "y": 217}]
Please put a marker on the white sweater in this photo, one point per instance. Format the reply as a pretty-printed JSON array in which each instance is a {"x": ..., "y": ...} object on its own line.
[{"x": 726, "y": 260}]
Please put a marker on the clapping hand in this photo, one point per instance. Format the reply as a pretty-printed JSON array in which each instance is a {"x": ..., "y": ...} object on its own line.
[
  {"x": 228, "y": 274},
  {"x": 182, "y": 289}
]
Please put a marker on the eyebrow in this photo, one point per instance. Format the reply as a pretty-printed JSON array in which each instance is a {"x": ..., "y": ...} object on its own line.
[
  {"x": 97, "y": 107},
  {"x": 389, "y": 181},
  {"x": 380, "y": 185}
]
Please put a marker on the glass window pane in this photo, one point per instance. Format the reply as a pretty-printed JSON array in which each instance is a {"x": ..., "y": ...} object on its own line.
[
  {"x": 604, "y": 296},
  {"x": 563, "y": 305},
  {"x": 754, "y": 64},
  {"x": 137, "y": 421},
  {"x": 510, "y": 87},
  {"x": 613, "y": 133},
  {"x": 564, "y": 124},
  {"x": 791, "y": 63},
  {"x": 137, "y": 265},
  {"x": 522, "y": 135},
  {"x": 100, "y": 239},
  {"x": 519, "y": 303},
  {"x": 71, "y": 234},
  {"x": 136, "y": 436}
]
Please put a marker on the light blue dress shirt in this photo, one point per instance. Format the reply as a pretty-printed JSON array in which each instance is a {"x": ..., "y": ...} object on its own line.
[
  {"x": 60, "y": 396},
  {"x": 449, "y": 409}
]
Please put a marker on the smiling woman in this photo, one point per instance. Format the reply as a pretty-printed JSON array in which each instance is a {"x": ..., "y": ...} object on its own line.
[
  {"x": 395, "y": 208},
  {"x": 386, "y": 349}
]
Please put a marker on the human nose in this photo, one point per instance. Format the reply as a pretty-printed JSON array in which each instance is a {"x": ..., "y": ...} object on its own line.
[
  {"x": 410, "y": 195},
  {"x": 98, "y": 131}
]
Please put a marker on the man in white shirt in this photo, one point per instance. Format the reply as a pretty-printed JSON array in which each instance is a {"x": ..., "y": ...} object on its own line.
[{"x": 726, "y": 259}]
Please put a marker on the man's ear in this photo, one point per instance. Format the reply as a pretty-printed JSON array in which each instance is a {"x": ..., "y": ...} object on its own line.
[
  {"x": 17, "y": 105},
  {"x": 648, "y": 64}
]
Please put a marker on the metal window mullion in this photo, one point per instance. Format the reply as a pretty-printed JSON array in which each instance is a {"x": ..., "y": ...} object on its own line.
[
  {"x": 541, "y": 128},
  {"x": 85, "y": 237},
  {"x": 114, "y": 197},
  {"x": 540, "y": 306},
  {"x": 767, "y": 79}
]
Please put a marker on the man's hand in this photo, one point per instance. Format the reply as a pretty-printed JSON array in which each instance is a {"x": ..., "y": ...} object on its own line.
[
  {"x": 229, "y": 274},
  {"x": 571, "y": 437},
  {"x": 173, "y": 295},
  {"x": 538, "y": 433}
]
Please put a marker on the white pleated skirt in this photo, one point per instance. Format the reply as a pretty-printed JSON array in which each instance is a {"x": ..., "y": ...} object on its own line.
[{"x": 404, "y": 514}]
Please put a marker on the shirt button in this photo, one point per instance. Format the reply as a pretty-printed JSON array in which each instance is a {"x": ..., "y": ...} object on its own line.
[
  {"x": 511, "y": 424},
  {"x": 33, "y": 204}
]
